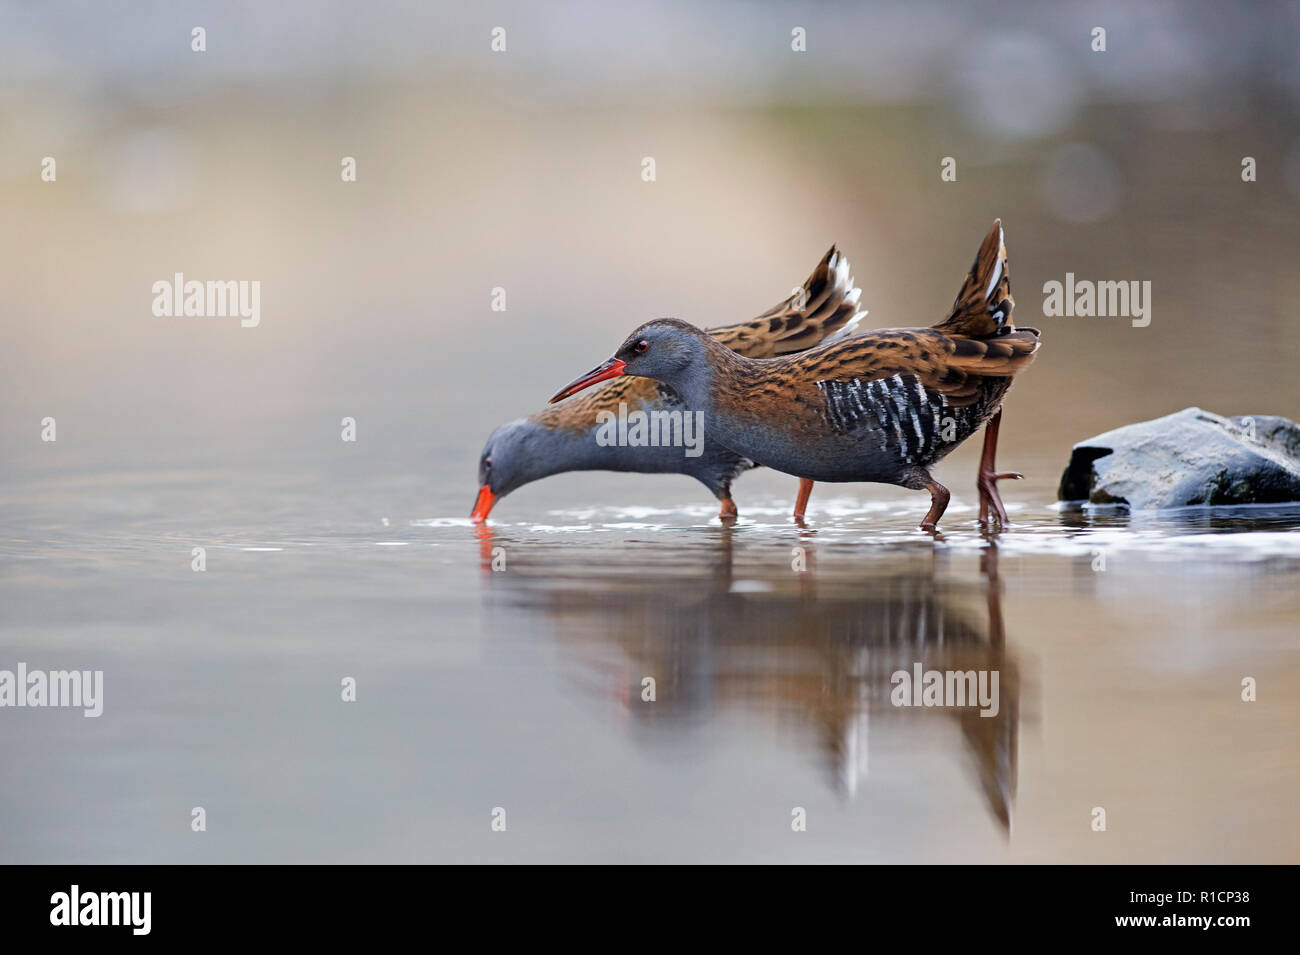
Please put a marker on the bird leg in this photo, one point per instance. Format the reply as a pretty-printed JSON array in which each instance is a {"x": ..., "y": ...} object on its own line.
[
  {"x": 987, "y": 481},
  {"x": 801, "y": 503},
  {"x": 728, "y": 510},
  {"x": 939, "y": 498}
]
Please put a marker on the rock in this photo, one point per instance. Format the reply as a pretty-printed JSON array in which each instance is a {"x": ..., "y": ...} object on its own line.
[{"x": 1189, "y": 457}]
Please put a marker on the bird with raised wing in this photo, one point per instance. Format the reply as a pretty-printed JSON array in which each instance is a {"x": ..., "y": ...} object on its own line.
[
  {"x": 568, "y": 436},
  {"x": 882, "y": 407}
]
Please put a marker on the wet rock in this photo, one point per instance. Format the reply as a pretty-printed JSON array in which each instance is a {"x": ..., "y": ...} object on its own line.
[{"x": 1189, "y": 457}]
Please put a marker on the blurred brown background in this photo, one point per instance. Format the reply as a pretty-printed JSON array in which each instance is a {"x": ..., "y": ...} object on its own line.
[{"x": 522, "y": 170}]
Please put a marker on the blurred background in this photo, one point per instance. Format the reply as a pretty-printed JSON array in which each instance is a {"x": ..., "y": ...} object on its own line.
[{"x": 522, "y": 170}]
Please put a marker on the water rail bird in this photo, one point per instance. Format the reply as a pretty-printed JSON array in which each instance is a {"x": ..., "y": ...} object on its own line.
[
  {"x": 567, "y": 436},
  {"x": 884, "y": 406}
]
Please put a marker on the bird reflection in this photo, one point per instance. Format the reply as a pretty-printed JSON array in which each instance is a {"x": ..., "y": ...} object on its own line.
[{"x": 805, "y": 642}]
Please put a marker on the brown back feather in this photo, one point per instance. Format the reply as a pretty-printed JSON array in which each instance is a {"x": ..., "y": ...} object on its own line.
[
  {"x": 826, "y": 304},
  {"x": 949, "y": 365}
]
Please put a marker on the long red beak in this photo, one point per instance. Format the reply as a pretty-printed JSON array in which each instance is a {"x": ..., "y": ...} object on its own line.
[
  {"x": 482, "y": 505},
  {"x": 611, "y": 369}
]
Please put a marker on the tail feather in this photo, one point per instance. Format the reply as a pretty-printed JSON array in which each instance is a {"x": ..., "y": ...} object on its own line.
[
  {"x": 1000, "y": 357},
  {"x": 824, "y": 309},
  {"x": 983, "y": 307},
  {"x": 966, "y": 363}
]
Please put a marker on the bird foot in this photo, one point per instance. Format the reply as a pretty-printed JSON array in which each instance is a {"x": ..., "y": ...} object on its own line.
[
  {"x": 939, "y": 498},
  {"x": 990, "y": 499}
]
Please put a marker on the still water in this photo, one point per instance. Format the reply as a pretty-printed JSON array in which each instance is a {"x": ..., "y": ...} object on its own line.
[{"x": 1120, "y": 643}]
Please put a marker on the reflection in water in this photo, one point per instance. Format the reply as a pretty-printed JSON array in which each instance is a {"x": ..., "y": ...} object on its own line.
[
  {"x": 807, "y": 650},
  {"x": 1221, "y": 519}
]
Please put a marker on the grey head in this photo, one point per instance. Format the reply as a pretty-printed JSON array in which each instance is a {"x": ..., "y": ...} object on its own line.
[
  {"x": 672, "y": 351},
  {"x": 515, "y": 454}
]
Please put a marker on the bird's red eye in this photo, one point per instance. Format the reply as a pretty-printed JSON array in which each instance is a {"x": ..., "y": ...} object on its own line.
[{"x": 641, "y": 346}]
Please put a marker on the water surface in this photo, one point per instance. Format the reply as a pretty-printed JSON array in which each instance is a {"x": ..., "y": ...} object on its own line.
[{"x": 1121, "y": 642}]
